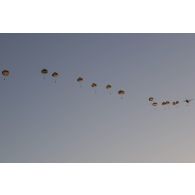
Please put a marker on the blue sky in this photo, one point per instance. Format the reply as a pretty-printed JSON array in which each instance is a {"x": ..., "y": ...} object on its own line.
[{"x": 44, "y": 121}]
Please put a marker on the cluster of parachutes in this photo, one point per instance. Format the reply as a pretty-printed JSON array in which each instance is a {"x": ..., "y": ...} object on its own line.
[
  {"x": 54, "y": 75},
  {"x": 108, "y": 87},
  {"x": 80, "y": 80},
  {"x": 154, "y": 103},
  {"x": 6, "y": 73}
]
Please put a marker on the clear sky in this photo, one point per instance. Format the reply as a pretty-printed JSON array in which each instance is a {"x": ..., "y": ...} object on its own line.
[{"x": 44, "y": 121}]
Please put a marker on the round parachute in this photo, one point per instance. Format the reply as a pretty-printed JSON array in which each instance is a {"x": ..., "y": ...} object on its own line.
[
  {"x": 174, "y": 103},
  {"x": 121, "y": 93},
  {"x": 151, "y": 99},
  {"x": 155, "y": 104},
  {"x": 164, "y": 103},
  {"x": 93, "y": 85},
  {"x": 55, "y": 75},
  {"x": 187, "y": 101},
  {"x": 80, "y": 80},
  {"x": 167, "y": 102},
  {"x": 5, "y": 73},
  {"x": 44, "y": 71},
  {"x": 109, "y": 87}
]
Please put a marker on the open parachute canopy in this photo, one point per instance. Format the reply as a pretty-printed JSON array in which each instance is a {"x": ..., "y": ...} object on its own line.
[
  {"x": 94, "y": 85},
  {"x": 44, "y": 71},
  {"x": 5, "y": 73},
  {"x": 154, "y": 104},
  {"x": 121, "y": 93},
  {"x": 151, "y": 99},
  {"x": 187, "y": 101},
  {"x": 108, "y": 86},
  {"x": 174, "y": 103},
  {"x": 80, "y": 79},
  {"x": 55, "y": 75}
]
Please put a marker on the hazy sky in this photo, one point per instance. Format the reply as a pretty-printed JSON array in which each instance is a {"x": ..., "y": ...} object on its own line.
[{"x": 44, "y": 121}]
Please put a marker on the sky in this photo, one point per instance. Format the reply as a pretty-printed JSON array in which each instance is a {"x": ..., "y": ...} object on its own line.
[{"x": 46, "y": 122}]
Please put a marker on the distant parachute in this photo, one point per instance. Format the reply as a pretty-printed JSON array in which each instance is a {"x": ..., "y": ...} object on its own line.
[
  {"x": 94, "y": 85},
  {"x": 154, "y": 104},
  {"x": 177, "y": 102},
  {"x": 44, "y": 72},
  {"x": 164, "y": 103},
  {"x": 167, "y": 102},
  {"x": 187, "y": 101},
  {"x": 109, "y": 87},
  {"x": 80, "y": 80},
  {"x": 121, "y": 93},
  {"x": 174, "y": 103},
  {"x": 151, "y": 99},
  {"x": 55, "y": 75},
  {"x": 5, "y": 73}
]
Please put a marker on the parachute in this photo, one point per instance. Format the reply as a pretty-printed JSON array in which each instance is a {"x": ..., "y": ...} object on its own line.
[
  {"x": 151, "y": 99},
  {"x": 187, "y": 101},
  {"x": 154, "y": 104},
  {"x": 167, "y": 102},
  {"x": 44, "y": 72},
  {"x": 5, "y": 73},
  {"x": 55, "y": 75},
  {"x": 164, "y": 103},
  {"x": 80, "y": 80},
  {"x": 174, "y": 103},
  {"x": 109, "y": 87},
  {"x": 94, "y": 85},
  {"x": 121, "y": 93}
]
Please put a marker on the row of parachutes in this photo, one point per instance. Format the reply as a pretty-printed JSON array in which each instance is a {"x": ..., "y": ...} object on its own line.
[
  {"x": 108, "y": 87},
  {"x": 80, "y": 80},
  {"x": 121, "y": 92},
  {"x": 155, "y": 103}
]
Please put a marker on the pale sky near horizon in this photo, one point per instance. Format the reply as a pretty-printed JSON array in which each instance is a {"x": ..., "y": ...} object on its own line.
[{"x": 44, "y": 121}]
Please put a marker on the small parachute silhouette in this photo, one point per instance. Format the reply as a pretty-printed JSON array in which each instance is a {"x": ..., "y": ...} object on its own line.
[
  {"x": 151, "y": 99},
  {"x": 164, "y": 103},
  {"x": 55, "y": 75},
  {"x": 94, "y": 86},
  {"x": 167, "y": 102},
  {"x": 187, "y": 101},
  {"x": 80, "y": 80},
  {"x": 121, "y": 93},
  {"x": 174, "y": 103},
  {"x": 154, "y": 104},
  {"x": 44, "y": 72},
  {"x": 5, "y": 73},
  {"x": 109, "y": 87}
]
